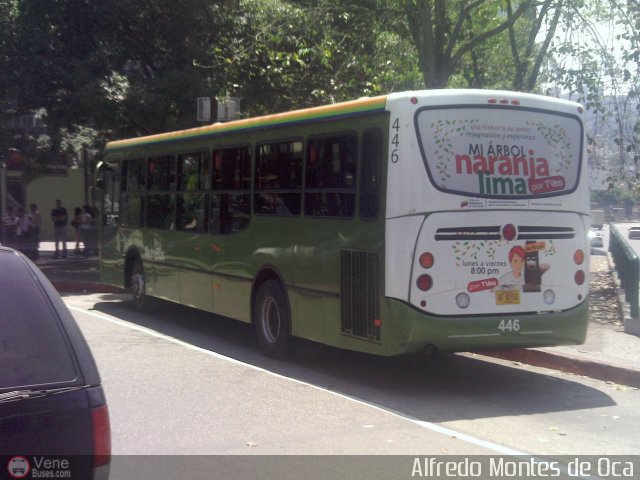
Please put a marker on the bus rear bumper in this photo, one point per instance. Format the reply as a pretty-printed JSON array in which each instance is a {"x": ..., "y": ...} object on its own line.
[{"x": 416, "y": 332}]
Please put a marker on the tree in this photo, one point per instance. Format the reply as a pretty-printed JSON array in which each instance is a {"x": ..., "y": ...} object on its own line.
[
  {"x": 127, "y": 66},
  {"x": 302, "y": 53},
  {"x": 444, "y": 32}
]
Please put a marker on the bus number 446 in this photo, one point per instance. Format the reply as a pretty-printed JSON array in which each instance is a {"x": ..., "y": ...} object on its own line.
[{"x": 509, "y": 325}]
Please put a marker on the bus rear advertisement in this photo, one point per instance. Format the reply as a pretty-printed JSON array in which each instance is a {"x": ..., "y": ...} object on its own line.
[{"x": 446, "y": 219}]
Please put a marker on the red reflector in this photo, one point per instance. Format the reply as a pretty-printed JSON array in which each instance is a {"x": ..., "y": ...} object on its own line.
[
  {"x": 504, "y": 101},
  {"x": 578, "y": 257},
  {"x": 579, "y": 277},
  {"x": 414, "y": 100},
  {"x": 515, "y": 102},
  {"x": 426, "y": 260},
  {"x": 377, "y": 323},
  {"x": 492, "y": 100},
  {"x": 424, "y": 282},
  {"x": 509, "y": 232},
  {"x": 101, "y": 436}
]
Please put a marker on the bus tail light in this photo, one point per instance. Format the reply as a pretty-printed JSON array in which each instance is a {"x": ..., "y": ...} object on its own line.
[
  {"x": 579, "y": 277},
  {"x": 424, "y": 282},
  {"x": 578, "y": 257},
  {"x": 426, "y": 260}
]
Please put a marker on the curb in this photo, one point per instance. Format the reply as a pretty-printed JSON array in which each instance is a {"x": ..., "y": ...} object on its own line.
[{"x": 564, "y": 363}]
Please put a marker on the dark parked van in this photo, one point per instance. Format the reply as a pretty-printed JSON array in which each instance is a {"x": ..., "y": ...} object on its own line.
[{"x": 53, "y": 410}]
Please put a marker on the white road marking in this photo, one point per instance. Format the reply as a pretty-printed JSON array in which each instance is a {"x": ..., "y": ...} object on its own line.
[{"x": 499, "y": 449}]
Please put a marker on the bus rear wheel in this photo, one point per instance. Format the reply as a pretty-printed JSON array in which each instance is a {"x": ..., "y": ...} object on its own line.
[{"x": 271, "y": 320}]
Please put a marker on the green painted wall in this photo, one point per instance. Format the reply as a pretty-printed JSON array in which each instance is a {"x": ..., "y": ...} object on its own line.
[{"x": 45, "y": 190}]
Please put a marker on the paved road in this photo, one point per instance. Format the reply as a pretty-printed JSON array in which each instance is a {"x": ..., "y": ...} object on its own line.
[{"x": 183, "y": 382}]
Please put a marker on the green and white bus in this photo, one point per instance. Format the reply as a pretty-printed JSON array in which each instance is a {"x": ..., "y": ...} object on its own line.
[{"x": 454, "y": 220}]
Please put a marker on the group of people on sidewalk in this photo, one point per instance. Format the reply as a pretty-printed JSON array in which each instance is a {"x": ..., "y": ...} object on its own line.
[
  {"x": 22, "y": 230},
  {"x": 84, "y": 224}
]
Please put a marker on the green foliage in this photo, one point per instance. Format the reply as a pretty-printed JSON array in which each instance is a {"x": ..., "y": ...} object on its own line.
[
  {"x": 123, "y": 68},
  {"x": 303, "y": 53}
]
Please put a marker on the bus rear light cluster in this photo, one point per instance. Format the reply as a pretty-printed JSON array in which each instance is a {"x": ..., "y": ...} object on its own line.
[
  {"x": 424, "y": 281},
  {"x": 578, "y": 258}
]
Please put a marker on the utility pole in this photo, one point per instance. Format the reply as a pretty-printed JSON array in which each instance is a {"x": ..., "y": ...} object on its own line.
[{"x": 3, "y": 193}]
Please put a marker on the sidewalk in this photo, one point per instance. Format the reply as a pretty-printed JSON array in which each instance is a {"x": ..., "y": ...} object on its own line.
[
  {"x": 608, "y": 353},
  {"x": 74, "y": 274}
]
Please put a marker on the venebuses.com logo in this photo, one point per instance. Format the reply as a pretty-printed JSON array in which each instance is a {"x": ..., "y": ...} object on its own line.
[{"x": 18, "y": 467}]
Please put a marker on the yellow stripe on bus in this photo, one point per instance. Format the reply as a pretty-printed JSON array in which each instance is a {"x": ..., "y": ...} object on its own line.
[{"x": 355, "y": 106}]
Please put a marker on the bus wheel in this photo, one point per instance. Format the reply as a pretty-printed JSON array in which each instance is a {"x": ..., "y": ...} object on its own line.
[
  {"x": 137, "y": 282},
  {"x": 271, "y": 319}
]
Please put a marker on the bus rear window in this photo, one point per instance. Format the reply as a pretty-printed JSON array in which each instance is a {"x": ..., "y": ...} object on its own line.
[{"x": 500, "y": 152}]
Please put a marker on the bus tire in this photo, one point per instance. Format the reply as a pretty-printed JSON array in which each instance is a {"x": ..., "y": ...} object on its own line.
[
  {"x": 138, "y": 286},
  {"x": 272, "y": 320}
]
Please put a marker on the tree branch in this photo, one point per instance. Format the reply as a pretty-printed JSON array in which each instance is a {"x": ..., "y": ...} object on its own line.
[{"x": 475, "y": 41}]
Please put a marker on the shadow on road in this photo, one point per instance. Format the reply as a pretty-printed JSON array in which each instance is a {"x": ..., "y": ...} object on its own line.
[{"x": 450, "y": 387}]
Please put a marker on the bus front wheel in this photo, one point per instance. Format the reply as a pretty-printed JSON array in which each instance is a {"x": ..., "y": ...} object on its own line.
[
  {"x": 138, "y": 288},
  {"x": 271, "y": 319}
]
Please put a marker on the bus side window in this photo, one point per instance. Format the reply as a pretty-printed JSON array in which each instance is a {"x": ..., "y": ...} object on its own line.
[
  {"x": 161, "y": 174},
  {"x": 160, "y": 204},
  {"x": 370, "y": 176},
  {"x": 331, "y": 176},
  {"x": 160, "y": 210},
  {"x": 278, "y": 180},
  {"x": 192, "y": 201},
  {"x": 231, "y": 193},
  {"x": 132, "y": 188}
]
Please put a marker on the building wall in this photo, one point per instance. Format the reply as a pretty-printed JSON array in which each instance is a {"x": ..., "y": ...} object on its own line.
[{"x": 45, "y": 190}]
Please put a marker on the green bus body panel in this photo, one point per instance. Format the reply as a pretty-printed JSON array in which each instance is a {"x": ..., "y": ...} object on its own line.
[
  {"x": 216, "y": 273},
  {"x": 412, "y": 331}
]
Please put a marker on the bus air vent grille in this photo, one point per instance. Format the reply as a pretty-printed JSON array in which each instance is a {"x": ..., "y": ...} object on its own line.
[{"x": 359, "y": 294}]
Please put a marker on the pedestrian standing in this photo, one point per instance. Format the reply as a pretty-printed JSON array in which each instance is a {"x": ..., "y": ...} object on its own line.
[
  {"x": 75, "y": 223},
  {"x": 85, "y": 225},
  {"x": 23, "y": 233},
  {"x": 36, "y": 223},
  {"x": 60, "y": 219}
]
